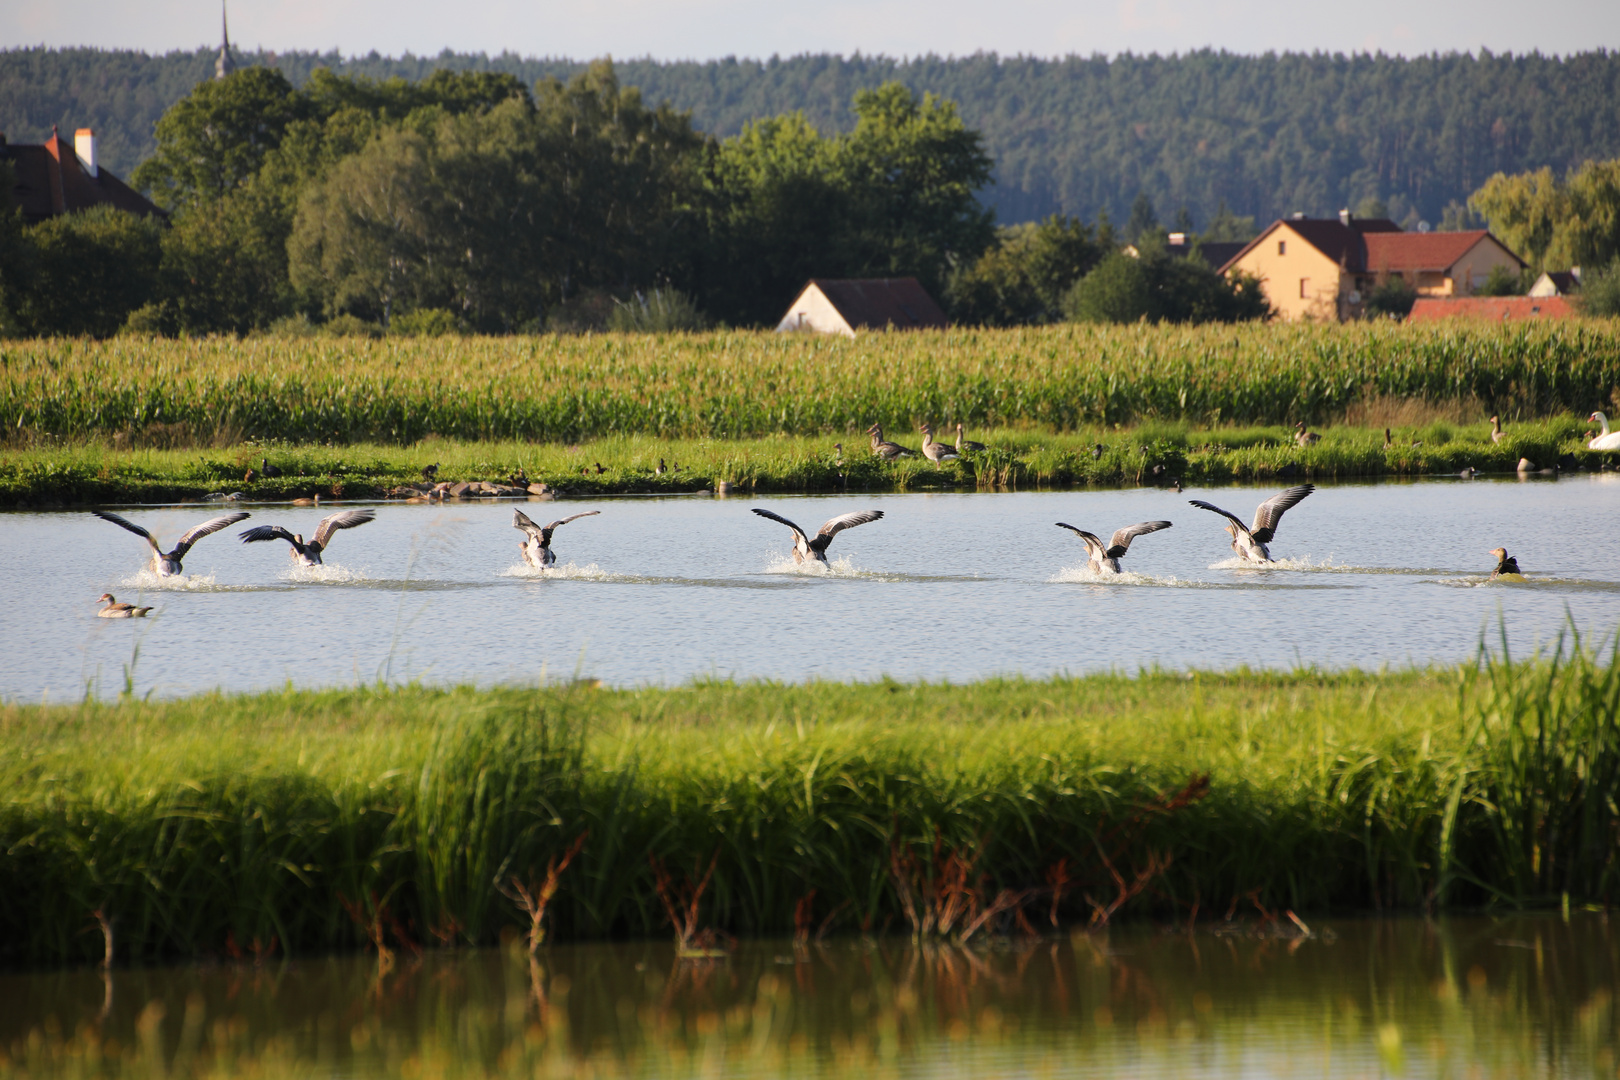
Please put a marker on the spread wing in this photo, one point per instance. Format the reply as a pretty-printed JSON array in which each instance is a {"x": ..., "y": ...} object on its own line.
[
  {"x": 1270, "y": 512},
  {"x": 207, "y": 528},
  {"x": 266, "y": 532},
  {"x": 784, "y": 521},
  {"x": 1121, "y": 540},
  {"x": 846, "y": 521},
  {"x": 563, "y": 521},
  {"x": 1093, "y": 544},
  {"x": 130, "y": 525},
  {"x": 347, "y": 519},
  {"x": 1233, "y": 518},
  {"x": 520, "y": 520}
]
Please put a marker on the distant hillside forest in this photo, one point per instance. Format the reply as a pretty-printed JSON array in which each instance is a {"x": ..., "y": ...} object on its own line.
[{"x": 1265, "y": 135}]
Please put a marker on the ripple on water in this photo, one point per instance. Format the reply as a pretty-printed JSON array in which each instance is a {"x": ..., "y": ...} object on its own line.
[
  {"x": 1085, "y": 575},
  {"x": 325, "y": 574},
  {"x": 147, "y": 581},
  {"x": 1524, "y": 581},
  {"x": 838, "y": 568},
  {"x": 568, "y": 571}
]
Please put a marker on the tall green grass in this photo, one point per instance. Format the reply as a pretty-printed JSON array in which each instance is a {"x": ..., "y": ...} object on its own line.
[
  {"x": 737, "y": 385},
  {"x": 220, "y": 822}
]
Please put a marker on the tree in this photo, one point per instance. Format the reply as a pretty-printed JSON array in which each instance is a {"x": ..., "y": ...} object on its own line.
[
  {"x": 215, "y": 138},
  {"x": 1024, "y": 277},
  {"x": 85, "y": 272},
  {"x": 1116, "y": 291},
  {"x": 1600, "y": 291},
  {"x": 1502, "y": 281},
  {"x": 1554, "y": 225},
  {"x": 1143, "y": 218},
  {"x": 1227, "y": 228},
  {"x": 1164, "y": 288},
  {"x": 1391, "y": 298}
]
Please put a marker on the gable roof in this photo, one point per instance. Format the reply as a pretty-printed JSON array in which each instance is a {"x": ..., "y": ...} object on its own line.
[
  {"x": 1494, "y": 308},
  {"x": 1413, "y": 252},
  {"x": 51, "y": 180},
  {"x": 876, "y": 303}
]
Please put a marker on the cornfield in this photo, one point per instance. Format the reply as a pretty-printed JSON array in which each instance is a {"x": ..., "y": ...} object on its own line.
[{"x": 735, "y": 385}]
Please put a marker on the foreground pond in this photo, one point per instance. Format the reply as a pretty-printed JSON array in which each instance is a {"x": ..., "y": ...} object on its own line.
[
  {"x": 660, "y": 591},
  {"x": 1524, "y": 997}
]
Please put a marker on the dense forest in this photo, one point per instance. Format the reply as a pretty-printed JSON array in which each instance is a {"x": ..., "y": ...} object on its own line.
[{"x": 1266, "y": 135}]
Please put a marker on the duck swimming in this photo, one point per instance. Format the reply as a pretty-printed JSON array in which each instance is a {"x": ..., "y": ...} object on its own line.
[
  {"x": 806, "y": 549},
  {"x": 310, "y": 554},
  {"x": 1505, "y": 564},
  {"x": 1605, "y": 439},
  {"x": 537, "y": 548},
  {"x": 1105, "y": 559},
  {"x": 168, "y": 564},
  {"x": 1250, "y": 541},
  {"x": 115, "y": 610}
]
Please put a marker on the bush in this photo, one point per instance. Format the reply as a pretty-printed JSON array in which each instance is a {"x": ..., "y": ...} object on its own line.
[
  {"x": 659, "y": 311},
  {"x": 1163, "y": 288},
  {"x": 83, "y": 273},
  {"x": 424, "y": 322},
  {"x": 1600, "y": 291},
  {"x": 1116, "y": 291},
  {"x": 1392, "y": 299},
  {"x": 1503, "y": 282}
]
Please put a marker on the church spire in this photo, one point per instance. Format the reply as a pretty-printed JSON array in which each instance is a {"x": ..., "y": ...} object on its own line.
[{"x": 224, "y": 65}]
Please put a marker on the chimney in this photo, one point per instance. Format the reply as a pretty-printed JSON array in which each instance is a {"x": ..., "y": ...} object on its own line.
[
  {"x": 84, "y": 145},
  {"x": 1344, "y": 217},
  {"x": 1299, "y": 215},
  {"x": 1178, "y": 239}
]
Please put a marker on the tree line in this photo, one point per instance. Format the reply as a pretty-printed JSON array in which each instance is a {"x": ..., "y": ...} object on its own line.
[
  {"x": 1267, "y": 135},
  {"x": 471, "y": 201}
]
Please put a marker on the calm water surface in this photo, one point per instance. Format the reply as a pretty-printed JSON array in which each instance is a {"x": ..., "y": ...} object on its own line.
[
  {"x": 659, "y": 591},
  {"x": 1463, "y": 997}
]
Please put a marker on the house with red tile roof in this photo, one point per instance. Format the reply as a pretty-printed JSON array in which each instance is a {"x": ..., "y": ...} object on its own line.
[
  {"x": 843, "y": 306},
  {"x": 1323, "y": 268},
  {"x": 60, "y": 179},
  {"x": 1491, "y": 308}
]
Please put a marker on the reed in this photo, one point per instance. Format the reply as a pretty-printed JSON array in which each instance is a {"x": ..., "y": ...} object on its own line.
[
  {"x": 731, "y": 385},
  {"x": 201, "y": 825},
  {"x": 1159, "y": 452}
]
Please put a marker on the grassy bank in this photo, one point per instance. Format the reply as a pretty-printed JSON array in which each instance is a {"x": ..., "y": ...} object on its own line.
[
  {"x": 97, "y": 472},
  {"x": 737, "y": 385},
  {"x": 319, "y": 820}
]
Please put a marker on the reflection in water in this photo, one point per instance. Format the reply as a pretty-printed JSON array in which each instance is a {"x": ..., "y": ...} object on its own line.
[{"x": 1524, "y": 997}]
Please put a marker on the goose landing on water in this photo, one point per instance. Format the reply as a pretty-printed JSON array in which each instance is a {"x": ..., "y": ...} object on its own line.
[
  {"x": 167, "y": 564},
  {"x": 537, "y": 548},
  {"x": 115, "y": 610},
  {"x": 310, "y": 554},
  {"x": 806, "y": 549},
  {"x": 1105, "y": 559},
  {"x": 1250, "y": 541}
]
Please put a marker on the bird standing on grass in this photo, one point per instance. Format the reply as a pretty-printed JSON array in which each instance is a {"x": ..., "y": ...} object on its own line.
[
  {"x": 1505, "y": 564},
  {"x": 1104, "y": 559},
  {"x": 537, "y": 548},
  {"x": 888, "y": 451},
  {"x": 167, "y": 564},
  {"x": 430, "y": 473},
  {"x": 937, "y": 452},
  {"x": 1304, "y": 437},
  {"x": 310, "y": 554},
  {"x": 268, "y": 469},
  {"x": 1497, "y": 434},
  {"x": 967, "y": 445},
  {"x": 115, "y": 610},
  {"x": 807, "y": 549},
  {"x": 1250, "y": 541}
]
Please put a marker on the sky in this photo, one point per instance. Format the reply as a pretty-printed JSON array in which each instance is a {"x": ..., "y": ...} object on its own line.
[{"x": 706, "y": 29}]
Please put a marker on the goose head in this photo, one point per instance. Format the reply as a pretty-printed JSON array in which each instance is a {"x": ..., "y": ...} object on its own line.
[
  {"x": 1499, "y": 553},
  {"x": 106, "y": 598}
]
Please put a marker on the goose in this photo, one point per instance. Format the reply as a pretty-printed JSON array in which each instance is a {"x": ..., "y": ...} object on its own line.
[
  {"x": 1250, "y": 541},
  {"x": 168, "y": 565},
  {"x": 1104, "y": 559},
  {"x": 807, "y": 550},
  {"x": 430, "y": 473},
  {"x": 1605, "y": 439},
  {"x": 937, "y": 452},
  {"x": 1505, "y": 564},
  {"x": 967, "y": 445},
  {"x": 115, "y": 610},
  {"x": 888, "y": 451},
  {"x": 1389, "y": 442},
  {"x": 268, "y": 470},
  {"x": 1497, "y": 434},
  {"x": 1304, "y": 437},
  {"x": 310, "y": 554},
  {"x": 537, "y": 548}
]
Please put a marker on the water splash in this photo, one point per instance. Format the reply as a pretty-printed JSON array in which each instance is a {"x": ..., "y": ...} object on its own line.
[
  {"x": 784, "y": 564},
  {"x": 147, "y": 581},
  {"x": 324, "y": 574},
  {"x": 568, "y": 571},
  {"x": 1522, "y": 581},
  {"x": 1301, "y": 562},
  {"x": 1085, "y": 575}
]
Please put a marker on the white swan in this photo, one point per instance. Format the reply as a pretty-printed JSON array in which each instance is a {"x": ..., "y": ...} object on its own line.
[
  {"x": 1606, "y": 439},
  {"x": 1104, "y": 559}
]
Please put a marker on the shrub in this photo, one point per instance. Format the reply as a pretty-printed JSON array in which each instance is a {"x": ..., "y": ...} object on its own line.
[
  {"x": 658, "y": 311},
  {"x": 1393, "y": 298}
]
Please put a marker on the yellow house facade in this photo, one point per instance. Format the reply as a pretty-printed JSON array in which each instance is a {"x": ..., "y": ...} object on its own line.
[{"x": 1323, "y": 268}]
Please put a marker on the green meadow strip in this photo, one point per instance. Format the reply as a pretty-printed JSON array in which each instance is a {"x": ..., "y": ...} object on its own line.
[{"x": 314, "y": 820}]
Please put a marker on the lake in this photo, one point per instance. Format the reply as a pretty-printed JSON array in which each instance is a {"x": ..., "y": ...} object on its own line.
[
  {"x": 659, "y": 591},
  {"x": 1462, "y": 997}
]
